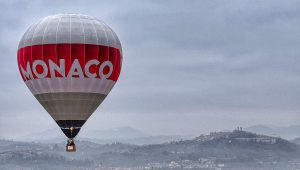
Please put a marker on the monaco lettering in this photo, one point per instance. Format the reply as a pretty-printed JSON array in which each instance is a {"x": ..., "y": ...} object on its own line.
[{"x": 40, "y": 69}]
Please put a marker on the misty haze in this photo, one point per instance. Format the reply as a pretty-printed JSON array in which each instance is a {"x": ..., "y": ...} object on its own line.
[{"x": 206, "y": 85}]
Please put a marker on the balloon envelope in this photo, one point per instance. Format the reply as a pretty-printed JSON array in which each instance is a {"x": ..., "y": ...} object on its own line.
[{"x": 70, "y": 63}]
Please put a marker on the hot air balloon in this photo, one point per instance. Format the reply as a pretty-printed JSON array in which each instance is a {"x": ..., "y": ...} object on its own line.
[{"x": 70, "y": 63}]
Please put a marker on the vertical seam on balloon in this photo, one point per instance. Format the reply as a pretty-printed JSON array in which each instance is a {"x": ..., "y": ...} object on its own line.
[
  {"x": 70, "y": 29},
  {"x": 119, "y": 47},
  {"x": 31, "y": 44},
  {"x": 106, "y": 38},
  {"x": 97, "y": 54},
  {"x": 23, "y": 59},
  {"x": 83, "y": 38},
  {"x": 60, "y": 18},
  {"x": 91, "y": 95},
  {"x": 44, "y": 37},
  {"x": 114, "y": 45},
  {"x": 112, "y": 34},
  {"x": 57, "y": 30},
  {"x": 56, "y": 51},
  {"x": 23, "y": 46},
  {"x": 117, "y": 44},
  {"x": 107, "y": 85},
  {"x": 83, "y": 115},
  {"x": 37, "y": 82},
  {"x": 92, "y": 21},
  {"x": 98, "y": 57},
  {"x": 22, "y": 42},
  {"x": 48, "y": 81},
  {"x": 83, "y": 43},
  {"x": 52, "y": 97},
  {"x": 106, "y": 45}
]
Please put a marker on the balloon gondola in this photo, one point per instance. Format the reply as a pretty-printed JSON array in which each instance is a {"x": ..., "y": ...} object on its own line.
[{"x": 70, "y": 63}]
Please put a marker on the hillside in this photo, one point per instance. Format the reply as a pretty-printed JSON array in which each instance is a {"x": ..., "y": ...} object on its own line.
[{"x": 224, "y": 150}]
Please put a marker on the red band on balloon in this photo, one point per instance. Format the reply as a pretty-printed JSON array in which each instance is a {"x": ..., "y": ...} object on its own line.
[{"x": 35, "y": 56}]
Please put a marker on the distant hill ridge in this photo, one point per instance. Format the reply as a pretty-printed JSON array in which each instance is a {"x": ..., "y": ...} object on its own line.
[
  {"x": 226, "y": 148},
  {"x": 286, "y": 132},
  {"x": 238, "y": 135},
  {"x": 120, "y": 134}
]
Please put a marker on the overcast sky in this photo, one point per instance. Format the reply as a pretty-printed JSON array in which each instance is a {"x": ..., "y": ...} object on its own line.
[{"x": 189, "y": 66}]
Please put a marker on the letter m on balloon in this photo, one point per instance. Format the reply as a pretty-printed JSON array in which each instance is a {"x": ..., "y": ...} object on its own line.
[{"x": 26, "y": 73}]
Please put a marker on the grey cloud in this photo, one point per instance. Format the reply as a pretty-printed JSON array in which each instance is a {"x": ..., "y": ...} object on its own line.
[{"x": 180, "y": 57}]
